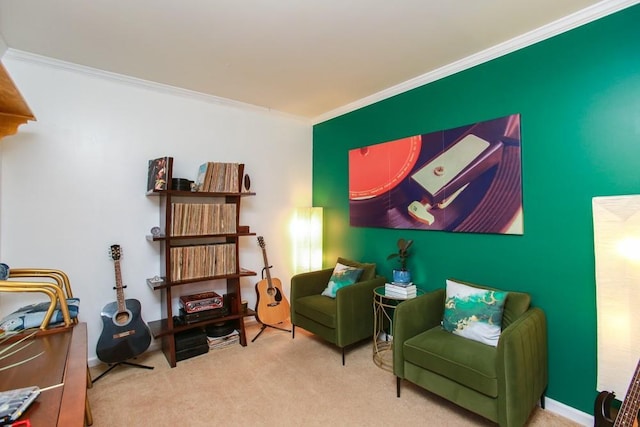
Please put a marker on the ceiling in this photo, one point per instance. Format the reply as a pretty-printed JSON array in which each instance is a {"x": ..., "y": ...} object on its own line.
[{"x": 308, "y": 58}]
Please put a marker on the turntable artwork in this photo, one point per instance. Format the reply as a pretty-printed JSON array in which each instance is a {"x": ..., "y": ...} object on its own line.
[{"x": 466, "y": 179}]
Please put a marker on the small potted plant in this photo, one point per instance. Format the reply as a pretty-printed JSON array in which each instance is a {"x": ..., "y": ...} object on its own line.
[{"x": 402, "y": 275}]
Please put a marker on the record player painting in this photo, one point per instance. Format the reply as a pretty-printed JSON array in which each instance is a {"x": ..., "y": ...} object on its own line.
[{"x": 467, "y": 179}]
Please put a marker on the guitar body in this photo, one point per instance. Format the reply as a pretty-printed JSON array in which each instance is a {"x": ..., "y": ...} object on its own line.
[
  {"x": 602, "y": 410},
  {"x": 124, "y": 334},
  {"x": 627, "y": 416},
  {"x": 272, "y": 307}
]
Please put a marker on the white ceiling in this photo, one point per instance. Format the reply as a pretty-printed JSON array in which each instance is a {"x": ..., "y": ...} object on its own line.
[{"x": 310, "y": 58}]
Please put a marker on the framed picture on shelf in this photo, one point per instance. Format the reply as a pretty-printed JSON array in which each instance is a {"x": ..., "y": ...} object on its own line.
[{"x": 159, "y": 174}]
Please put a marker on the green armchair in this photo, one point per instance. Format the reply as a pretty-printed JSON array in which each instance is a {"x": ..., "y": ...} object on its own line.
[
  {"x": 502, "y": 384},
  {"x": 343, "y": 320}
]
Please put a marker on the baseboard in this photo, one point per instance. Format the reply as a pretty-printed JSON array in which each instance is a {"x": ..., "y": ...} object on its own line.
[{"x": 568, "y": 412}]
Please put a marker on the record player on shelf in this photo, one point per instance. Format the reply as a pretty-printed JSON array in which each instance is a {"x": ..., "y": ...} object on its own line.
[
  {"x": 201, "y": 307},
  {"x": 201, "y": 302}
]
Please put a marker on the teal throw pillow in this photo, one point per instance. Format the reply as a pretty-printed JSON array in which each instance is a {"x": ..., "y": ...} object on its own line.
[
  {"x": 474, "y": 313},
  {"x": 342, "y": 276}
]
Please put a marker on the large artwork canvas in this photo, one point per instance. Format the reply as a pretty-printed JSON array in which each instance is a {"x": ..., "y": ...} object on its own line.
[{"x": 466, "y": 179}]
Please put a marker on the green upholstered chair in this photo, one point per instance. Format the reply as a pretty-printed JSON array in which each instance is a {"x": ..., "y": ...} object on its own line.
[
  {"x": 343, "y": 320},
  {"x": 502, "y": 383}
]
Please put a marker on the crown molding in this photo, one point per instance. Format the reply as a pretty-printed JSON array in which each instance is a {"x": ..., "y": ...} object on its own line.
[
  {"x": 28, "y": 57},
  {"x": 589, "y": 14}
]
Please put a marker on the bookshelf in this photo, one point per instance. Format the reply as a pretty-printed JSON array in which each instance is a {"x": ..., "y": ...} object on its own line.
[{"x": 198, "y": 242}]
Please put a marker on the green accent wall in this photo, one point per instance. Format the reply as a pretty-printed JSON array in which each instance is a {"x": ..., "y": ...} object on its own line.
[{"x": 579, "y": 98}]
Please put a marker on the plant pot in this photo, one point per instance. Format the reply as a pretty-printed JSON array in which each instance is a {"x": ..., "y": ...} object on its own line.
[{"x": 401, "y": 276}]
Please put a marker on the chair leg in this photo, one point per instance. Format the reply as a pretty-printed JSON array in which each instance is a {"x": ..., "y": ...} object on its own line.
[
  {"x": 293, "y": 331},
  {"x": 542, "y": 401},
  {"x": 342, "y": 356},
  {"x": 398, "y": 381},
  {"x": 88, "y": 417}
]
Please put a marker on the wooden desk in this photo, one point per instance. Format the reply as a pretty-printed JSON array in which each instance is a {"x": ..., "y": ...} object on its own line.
[{"x": 64, "y": 361}]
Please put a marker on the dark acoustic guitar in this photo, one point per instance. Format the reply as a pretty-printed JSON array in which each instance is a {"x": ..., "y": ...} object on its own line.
[
  {"x": 272, "y": 306},
  {"x": 124, "y": 334},
  {"x": 628, "y": 414}
]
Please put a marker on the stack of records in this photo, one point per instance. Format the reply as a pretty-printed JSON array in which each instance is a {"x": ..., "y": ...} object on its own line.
[
  {"x": 223, "y": 341},
  {"x": 400, "y": 290}
]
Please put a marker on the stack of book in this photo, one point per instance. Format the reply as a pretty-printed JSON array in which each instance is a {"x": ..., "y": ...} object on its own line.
[
  {"x": 224, "y": 341},
  {"x": 400, "y": 290}
]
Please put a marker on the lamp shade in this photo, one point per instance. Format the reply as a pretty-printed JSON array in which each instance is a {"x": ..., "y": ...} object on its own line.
[
  {"x": 306, "y": 232},
  {"x": 616, "y": 222}
]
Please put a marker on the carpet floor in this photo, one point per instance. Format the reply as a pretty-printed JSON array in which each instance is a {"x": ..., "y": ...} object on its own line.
[{"x": 274, "y": 381}]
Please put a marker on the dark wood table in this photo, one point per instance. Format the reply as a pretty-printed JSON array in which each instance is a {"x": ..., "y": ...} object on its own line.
[{"x": 63, "y": 363}]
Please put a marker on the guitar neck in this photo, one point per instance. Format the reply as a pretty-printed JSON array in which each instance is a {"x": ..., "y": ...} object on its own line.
[
  {"x": 119, "y": 287},
  {"x": 629, "y": 410},
  {"x": 266, "y": 267}
]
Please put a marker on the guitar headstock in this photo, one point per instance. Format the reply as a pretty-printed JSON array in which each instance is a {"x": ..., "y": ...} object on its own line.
[
  {"x": 115, "y": 252},
  {"x": 261, "y": 242}
]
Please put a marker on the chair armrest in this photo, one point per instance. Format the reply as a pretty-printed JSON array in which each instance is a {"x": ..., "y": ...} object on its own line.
[
  {"x": 522, "y": 366},
  {"x": 59, "y": 276},
  {"x": 311, "y": 283},
  {"x": 355, "y": 311},
  {"x": 412, "y": 317}
]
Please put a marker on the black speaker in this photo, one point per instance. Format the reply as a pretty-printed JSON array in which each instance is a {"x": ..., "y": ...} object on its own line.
[
  {"x": 191, "y": 352},
  {"x": 190, "y": 338}
]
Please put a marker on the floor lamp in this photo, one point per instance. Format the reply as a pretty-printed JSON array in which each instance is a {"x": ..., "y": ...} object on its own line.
[{"x": 616, "y": 222}]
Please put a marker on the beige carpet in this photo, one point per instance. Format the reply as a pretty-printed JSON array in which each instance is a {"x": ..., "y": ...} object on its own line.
[{"x": 274, "y": 381}]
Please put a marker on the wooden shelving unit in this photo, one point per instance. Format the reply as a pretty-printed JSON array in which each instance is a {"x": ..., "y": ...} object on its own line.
[{"x": 166, "y": 327}]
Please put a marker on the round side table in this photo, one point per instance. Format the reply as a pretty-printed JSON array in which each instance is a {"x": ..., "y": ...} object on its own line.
[{"x": 383, "y": 307}]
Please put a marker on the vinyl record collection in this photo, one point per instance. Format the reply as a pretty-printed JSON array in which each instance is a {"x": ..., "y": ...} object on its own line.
[
  {"x": 191, "y": 219},
  {"x": 191, "y": 262},
  {"x": 219, "y": 177}
]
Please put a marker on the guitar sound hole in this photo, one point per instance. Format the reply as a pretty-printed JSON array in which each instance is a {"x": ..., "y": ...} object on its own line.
[
  {"x": 122, "y": 318},
  {"x": 271, "y": 291}
]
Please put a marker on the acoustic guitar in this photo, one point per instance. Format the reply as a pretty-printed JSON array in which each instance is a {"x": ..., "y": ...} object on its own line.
[
  {"x": 628, "y": 414},
  {"x": 272, "y": 306},
  {"x": 124, "y": 334}
]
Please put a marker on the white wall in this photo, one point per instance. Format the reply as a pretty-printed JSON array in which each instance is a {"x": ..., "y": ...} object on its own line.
[
  {"x": 3, "y": 46},
  {"x": 73, "y": 182}
]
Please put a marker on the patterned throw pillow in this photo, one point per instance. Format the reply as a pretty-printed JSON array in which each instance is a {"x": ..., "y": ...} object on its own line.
[
  {"x": 4, "y": 271},
  {"x": 31, "y": 316},
  {"x": 474, "y": 313},
  {"x": 369, "y": 268},
  {"x": 342, "y": 276}
]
